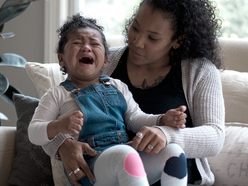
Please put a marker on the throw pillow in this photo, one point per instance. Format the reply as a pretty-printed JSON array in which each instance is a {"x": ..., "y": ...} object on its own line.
[
  {"x": 31, "y": 166},
  {"x": 44, "y": 76},
  {"x": 235, "y": 91},
  {"x": 230, "y": 166}
]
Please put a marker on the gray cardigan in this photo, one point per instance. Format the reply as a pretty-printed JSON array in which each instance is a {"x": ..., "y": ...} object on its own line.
[{"x": 203, "y": 91}]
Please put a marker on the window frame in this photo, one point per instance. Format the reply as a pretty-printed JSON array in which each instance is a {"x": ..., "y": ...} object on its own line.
[{"x": 56, "y": 12}]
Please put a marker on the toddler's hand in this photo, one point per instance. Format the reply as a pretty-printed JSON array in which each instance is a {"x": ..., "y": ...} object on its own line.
[
  {"x": 174, "y": 117},
  {"x": 71, "y": 124}
]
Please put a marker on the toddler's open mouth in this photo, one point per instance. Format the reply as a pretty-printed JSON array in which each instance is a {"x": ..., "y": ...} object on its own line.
[{"x": 86, "y": 60}]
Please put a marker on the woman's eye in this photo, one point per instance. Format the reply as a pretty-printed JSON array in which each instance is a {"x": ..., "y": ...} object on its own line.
[
  {"x": 134, "y": 28},
  {"x": 152, "y": 39}
]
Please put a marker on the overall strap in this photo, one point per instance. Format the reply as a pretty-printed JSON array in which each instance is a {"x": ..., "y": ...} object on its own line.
[
  {"x": 69, "y": 86},
  {"x": 105, "y": 80}
]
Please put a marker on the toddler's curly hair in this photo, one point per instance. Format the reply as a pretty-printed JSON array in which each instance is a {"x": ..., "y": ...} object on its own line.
[{"x": 75, "y": 22}]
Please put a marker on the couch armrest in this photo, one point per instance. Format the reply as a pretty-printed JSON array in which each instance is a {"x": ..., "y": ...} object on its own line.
[{"x": 7, "y": 152}]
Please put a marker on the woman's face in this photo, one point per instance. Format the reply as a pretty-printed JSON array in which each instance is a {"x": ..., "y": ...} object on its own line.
[{"x": 149, "y": 37}]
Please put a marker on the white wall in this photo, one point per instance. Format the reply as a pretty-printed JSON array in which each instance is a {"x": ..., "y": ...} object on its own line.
[
  {"x": 27, "y": 42},
  {"x": 29, "y": 33}
]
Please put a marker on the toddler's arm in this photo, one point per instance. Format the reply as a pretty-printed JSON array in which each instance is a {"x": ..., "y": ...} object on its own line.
[
  {"x": 71, "y": 124},
  {"x": 174, "y": 118}
]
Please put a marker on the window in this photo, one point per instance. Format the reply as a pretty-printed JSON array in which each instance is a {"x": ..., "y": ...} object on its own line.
[
  {"x": 109, "y": 13},
  {"x": 112, "y": 14},
  {"x": 234, "y": 18}
]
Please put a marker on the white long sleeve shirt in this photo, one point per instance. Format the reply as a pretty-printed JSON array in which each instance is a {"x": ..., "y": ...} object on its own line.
[{"x": 58, "y": 103}]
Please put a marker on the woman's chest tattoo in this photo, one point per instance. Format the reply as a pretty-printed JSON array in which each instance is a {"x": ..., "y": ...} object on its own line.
[{"x": 156, "y": 81}]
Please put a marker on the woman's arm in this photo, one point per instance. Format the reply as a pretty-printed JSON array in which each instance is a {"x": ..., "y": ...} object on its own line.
[
  {"x": 71, "y": 153},
  {"x": 203, "y": 92}
]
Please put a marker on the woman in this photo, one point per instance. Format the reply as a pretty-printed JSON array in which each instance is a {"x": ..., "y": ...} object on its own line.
[{"x": 171, "y": 59}]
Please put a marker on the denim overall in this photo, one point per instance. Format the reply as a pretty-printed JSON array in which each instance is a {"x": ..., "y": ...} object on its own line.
[{"x": 103, "y": 107}]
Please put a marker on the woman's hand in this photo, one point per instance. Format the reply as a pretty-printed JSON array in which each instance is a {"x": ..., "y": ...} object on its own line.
[
  {"x": 71, "y": 153},
  {"x": 149, "y": 139}
]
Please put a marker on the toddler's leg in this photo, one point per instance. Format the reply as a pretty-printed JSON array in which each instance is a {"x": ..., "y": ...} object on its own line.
[
  {"x": 120, "y": 165},
  {"x": 169, "y": 165}
]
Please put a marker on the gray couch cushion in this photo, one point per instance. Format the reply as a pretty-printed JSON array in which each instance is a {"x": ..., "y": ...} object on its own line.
[{"x": 30, "y": 160}]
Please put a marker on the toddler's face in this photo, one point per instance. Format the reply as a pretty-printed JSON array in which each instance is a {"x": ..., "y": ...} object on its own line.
[{"x": 84, "y": 54}]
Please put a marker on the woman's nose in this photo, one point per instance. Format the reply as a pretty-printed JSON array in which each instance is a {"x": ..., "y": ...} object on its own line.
[{"x": 138, "y": 41}]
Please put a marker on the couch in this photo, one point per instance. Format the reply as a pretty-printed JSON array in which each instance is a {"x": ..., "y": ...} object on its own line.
[{"x": 25, "y": 164}]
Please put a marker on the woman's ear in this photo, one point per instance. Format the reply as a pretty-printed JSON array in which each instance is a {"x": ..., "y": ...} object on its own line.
[
  {"x": 176, "y": 45},
  {"x": 178, "y": 42}
]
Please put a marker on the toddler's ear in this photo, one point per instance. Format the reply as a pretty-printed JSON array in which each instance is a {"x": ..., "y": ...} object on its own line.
[
  {"x": 105, "y": 61},
  {"x": 61, "y": 60}
]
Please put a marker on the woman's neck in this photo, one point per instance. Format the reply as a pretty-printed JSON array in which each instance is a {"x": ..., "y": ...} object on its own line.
[{"x": 147, "y": 76}]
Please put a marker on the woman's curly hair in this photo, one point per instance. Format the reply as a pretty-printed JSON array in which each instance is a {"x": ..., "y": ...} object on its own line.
[
  {"x": 194, "y": 24},
  {"x": 76, "y": 22}
]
